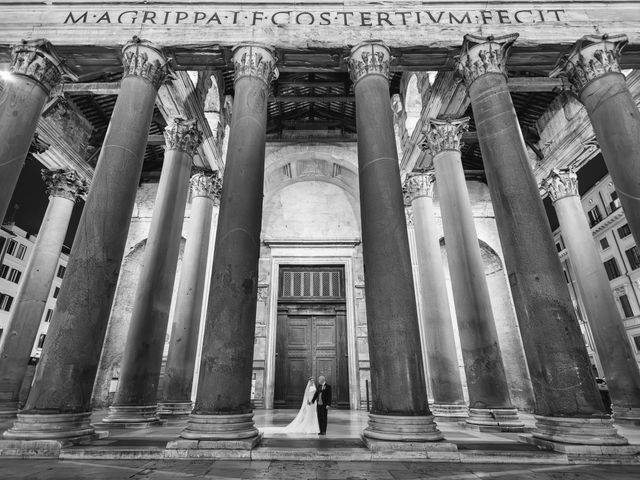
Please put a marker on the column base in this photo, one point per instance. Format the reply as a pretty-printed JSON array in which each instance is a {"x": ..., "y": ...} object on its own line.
[
  {"x": 221, "y": 428},
  {"x": 395, "y": 428},
  {"x": 578, "y": 431},
  {"x": 174, "y": 410},
  {"x": 623, "y": 416},
  {"x": 67, "y": 427},
  {"x": 8, "y": 411},
  {"x": 494, "y": 420},
  {"x": 131, "y": 416},
  {"x": 449, "y": 412}
]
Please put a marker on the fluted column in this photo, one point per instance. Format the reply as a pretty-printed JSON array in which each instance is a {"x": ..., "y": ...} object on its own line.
[
  {"x": 135, "y": 401},
  {"x": 594, "y": 72},
  {"x": 489, "y": 401},
  {"x": 400, "y": 410},
  {"x": 35, "y": 70},
  {"x": 611, "y": 341},
  {"x": 446, "y": 384},
  {"x": 58, "y": 406},
  {"x": 179, "y": 370},
  {"x": 64, "y": 188},
  {"x": 567, "y": 402},
  {"x": 223, "y": 404}
]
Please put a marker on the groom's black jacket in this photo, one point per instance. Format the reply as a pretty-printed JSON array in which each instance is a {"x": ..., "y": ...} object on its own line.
[{"x": 326, "y": 394}]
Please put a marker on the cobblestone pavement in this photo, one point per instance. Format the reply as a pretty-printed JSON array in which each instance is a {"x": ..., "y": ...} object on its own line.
[{"x": 183, "y": 469}]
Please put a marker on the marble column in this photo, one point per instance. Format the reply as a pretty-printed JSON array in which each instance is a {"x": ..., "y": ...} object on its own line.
[
  {"x": 489, "y": 401},
  {"x": 64, "y": 188},
  {"x": 611, "y": 341},
  {"x": 35, "y": 70},
  {"x": 58, "y": 406},
  {"x": 223, "y": 403},
  {"x": 400, "y": 410},
  {"x": 179, "y": 370},
  {"x": 446, "y": 384},
  {"x": 135, "y": 401},
  {"x": 568, "y": 407},
  {"x": 594, "y": 72}
]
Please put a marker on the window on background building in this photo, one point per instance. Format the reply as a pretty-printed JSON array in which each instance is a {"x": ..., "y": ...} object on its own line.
[
  {"x": 2, "y": 242},
  {"x": 633, "y": 255},
  {"x": 595, "y": 217},
  {"x": 56, "y": 291},
  {"x": 14, "y": 275},
  {"x": 604, "y": 243},
  {"x": 41, "y": 340},
  {"x": 626, "y": 306},
  {"x": 61, "y": 270},
  {"x": 4, "y": 271},
  {"x": 624, "y": 231},
  {"x": 611, "y": 266},
  {"x": 21, "y": 251},
  {"x": 1, "y": 331},
  {"x": 5, "y": 302},
  {"x": 49, "y": 315},
  {"x": 566, "y": 276},
  {"x": 636, "y": 340},
  {"x": 11, "y": 248},
  {"x": 614, "y": 204}
]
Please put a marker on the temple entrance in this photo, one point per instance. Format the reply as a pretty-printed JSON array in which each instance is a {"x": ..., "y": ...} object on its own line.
[{"x": 311, "y": 333}]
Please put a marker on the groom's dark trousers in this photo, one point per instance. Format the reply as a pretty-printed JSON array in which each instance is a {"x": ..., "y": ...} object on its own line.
[{"x": 324, "y": 400}]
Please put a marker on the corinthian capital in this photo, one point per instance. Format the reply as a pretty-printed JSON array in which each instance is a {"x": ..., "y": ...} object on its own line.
[
  {"x": 440, "y": 135},
  {"x": 419, "y": 184},
  {"x": 591, "y": 57},
  {"x": 256, "y": 61},
  {"x": 38, "y": 60},
  {"x": 64, "y": 183},
  {"x": 481, "y": 55},
  {"x": 183, "y": 135},
  {"x": 207, "y": 184},
  {"x": 369, "y": 58},
  {"x": 145, "y": 60},
  {"x": 561, "y": 183}
]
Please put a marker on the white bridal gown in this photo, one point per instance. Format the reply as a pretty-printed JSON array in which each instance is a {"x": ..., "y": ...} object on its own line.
[{"x": 307, "y": 419}]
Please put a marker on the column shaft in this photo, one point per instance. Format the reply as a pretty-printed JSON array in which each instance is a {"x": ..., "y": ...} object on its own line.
[
  {"x": 446, "y": 383},
  {"x": 611, "y": 341},
  {"x": 59, "y": 402},
  {"x": 135, "y": 399},
  {"x": 30, "y": 302},
  {"x": 179, "y": 370}
]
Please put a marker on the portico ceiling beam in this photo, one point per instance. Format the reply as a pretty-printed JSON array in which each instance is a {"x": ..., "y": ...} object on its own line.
[{"x": 313, "y": 98}]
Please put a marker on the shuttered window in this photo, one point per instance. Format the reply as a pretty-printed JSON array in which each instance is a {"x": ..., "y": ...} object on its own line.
[{"x": 311, "y": 283}]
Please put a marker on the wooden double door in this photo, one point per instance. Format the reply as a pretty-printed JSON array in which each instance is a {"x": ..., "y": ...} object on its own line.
[{"x": 311, "y": 341}]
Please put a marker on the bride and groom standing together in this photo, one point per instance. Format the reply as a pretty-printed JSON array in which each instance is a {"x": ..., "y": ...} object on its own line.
[{"x": 310, "y": 419}]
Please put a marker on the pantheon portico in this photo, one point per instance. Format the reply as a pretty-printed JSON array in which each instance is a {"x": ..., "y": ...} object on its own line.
[{"x": 364, "y": 193}]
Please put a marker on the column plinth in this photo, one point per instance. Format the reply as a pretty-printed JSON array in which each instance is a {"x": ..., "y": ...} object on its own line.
[
  {"x": 446, "y": 384},
  {"x": 140, "y": 369},
  {"x": 63, "y": 187},
  {"x": 564, "y": 385},
  {"x": 611, "y": 341},
  {"x": 66, "y": 372},
  {"x": 35, "y": 70},
  {"x": 595, "y": 75},
  {"x": 223, "y": 405},
  {"x": 489, "y": 400},
  {"x": 176, "y": 397},
  {"x": 397, "y": 377}
]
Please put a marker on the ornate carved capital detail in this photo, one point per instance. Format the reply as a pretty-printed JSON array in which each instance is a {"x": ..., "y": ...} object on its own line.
[
  {"x": 481, "y": 55},
  {"x": 207, "y": 184},
  {"x": 38, "y": 60},
  {"x": 419, "y": 184},
  {"x": 561, "y": 183},
  {"x": 445, "y": 134},
  {"x": 369, "y": 58},
  {"x": 183, "y": 135},
  {"x": 64, "y": 183},
  {"x": 591, "y": 57},
  {"x": 145, "y": 60},
  {"x": 250, "y": 60}
]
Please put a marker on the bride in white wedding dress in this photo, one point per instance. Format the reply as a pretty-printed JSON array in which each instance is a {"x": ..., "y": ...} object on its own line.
[{"x": 306, "y": 420}]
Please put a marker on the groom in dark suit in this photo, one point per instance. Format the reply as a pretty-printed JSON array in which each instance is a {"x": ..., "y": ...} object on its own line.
[{"x": 323, "y": 398}]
